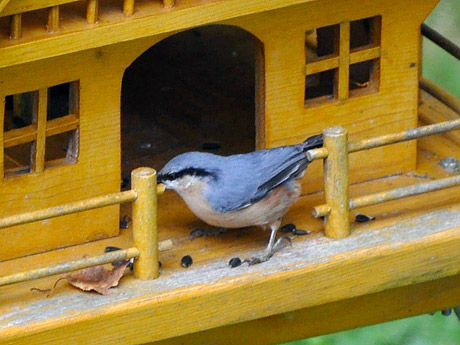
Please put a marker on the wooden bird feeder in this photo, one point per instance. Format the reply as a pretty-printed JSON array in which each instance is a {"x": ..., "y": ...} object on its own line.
[{"x": 92, "y": 91}]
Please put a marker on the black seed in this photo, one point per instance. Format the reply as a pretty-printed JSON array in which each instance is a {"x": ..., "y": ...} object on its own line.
[
  {"x": 362, "y": 218},
  {"x": 111, "y": 249},
  {"x": 446, "y": 312},
  {"x": 235, "y": 262},
  {"x": 186, "y": 261},
  {"x": 159, "y": 264},
  {"x": 288, "y": 228},
  {"x": 124, "y": 222},
  {"x": 299, "y": 232},
  {"x": 210, "y": 146}
]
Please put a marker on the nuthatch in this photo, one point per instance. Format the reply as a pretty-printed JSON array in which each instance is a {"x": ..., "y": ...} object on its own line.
[{"x": 253, "y": 189}]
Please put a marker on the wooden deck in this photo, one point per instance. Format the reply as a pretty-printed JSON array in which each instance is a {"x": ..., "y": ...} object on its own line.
[{"x": 404, "y": 263}]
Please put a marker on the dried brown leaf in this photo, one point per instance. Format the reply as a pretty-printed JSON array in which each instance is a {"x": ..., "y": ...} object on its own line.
[{"x": 97, "y": 278}]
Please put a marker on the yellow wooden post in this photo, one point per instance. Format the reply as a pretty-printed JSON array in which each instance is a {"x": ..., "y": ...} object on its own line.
[
  {"x": 16, "y": 26},
  {"x": 168, "y": 3},
  {"x": 2, "y": 121},
  {"x": 336, "y": 182},
  {"x": 53, "y": 19},
  {"x": 144, "y": 183},
  {"x": 128, "y": 7},
  {"x": 344, "y": 61},
  {"x": 92, "y": 11},
  {"x": 38, "y": 157}
]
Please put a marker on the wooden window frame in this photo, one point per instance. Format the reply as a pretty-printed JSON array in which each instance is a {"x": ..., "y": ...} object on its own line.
[
  {"x": 345, "y": 57},
  {"x": 40, "y": 129}
]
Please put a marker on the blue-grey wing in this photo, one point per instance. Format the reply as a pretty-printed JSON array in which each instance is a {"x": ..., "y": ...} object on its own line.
[{"x": 245, "y": 179}]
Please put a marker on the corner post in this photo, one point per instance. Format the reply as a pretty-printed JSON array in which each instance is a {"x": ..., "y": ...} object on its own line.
[
  {"x": 336, "y": 182},
  {"x": 144, "y": 183}
]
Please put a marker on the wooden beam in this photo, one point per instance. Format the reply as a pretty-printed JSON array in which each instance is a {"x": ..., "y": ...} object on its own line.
[
  {"x": 92, "y": 11},
  {"x": 356, "y": 312},
  {"x": 364, "y": 54},
  {"x": 27, "y": 134},
  {"x": 38, "y": 148},
  {"x": 321, "y": 65},
  {"x": 16, "y": 26},
  {"x": 3, "y": 4},
  {"x": 343, "y": 74},
  {"x": 2, "y": 123},
  {"x": 53, "y": 19}
]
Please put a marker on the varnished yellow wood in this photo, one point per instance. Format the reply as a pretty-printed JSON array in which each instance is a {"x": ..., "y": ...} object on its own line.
[
  {"x": 97, "y": 161},
  {"x": 145, "y": 234},
  {"x": 20, "y": 6},
  {"x": 3, "y": 4},
  {"x": 2, "y": 122},
  {"x": 361, "y": 311},
  {"x": 168, "y": 3},
  {"x": 62, "y": 124},
  {"x": 364, "y": 54},
  {"x": 322, "y": 65},
  {"x": 38, "y": 151},
  {"x": 128, "y": 7},
  {"x": 92, "y": 11},
  {"x": 15, "y": 26},
  {"x": 336, "y": 182},
  {"x": 20, "y": 136},
  {"x": 343, "y": 73},
  {"x": 53, "y": 19}
]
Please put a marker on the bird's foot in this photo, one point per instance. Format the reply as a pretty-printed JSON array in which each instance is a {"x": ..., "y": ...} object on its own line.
[
  {"x": 199, "y": 232},
  {"x": 280, "y": 243}
]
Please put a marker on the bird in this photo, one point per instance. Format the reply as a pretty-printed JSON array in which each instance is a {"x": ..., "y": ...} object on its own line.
[{"x": 241, "y": 190}]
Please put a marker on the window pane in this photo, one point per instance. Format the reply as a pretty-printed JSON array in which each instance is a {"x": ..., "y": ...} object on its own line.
[
  {"x": 320, "y": 86},
  {"x": 61, "y": 149},
  {"x": 321, "y": 42},
  {"x": 19, "y": 110},
  {"x": 59, "y": 101},
  {"x": 364, "y": 77},
  {"x": 17, "y": 159},
  {"x": 364, "y": 32}
]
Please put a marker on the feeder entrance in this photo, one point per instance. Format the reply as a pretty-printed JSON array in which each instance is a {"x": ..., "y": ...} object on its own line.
[{"x": 194, "y": 91}]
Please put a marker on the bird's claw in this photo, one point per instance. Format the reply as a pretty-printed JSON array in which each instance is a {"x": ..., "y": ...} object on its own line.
[
  {"x": 280, "y": 243},
  {"x": 257, "y": 260}
]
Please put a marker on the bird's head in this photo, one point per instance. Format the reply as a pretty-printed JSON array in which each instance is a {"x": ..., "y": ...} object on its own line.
[{"x": 189, "y": 170}]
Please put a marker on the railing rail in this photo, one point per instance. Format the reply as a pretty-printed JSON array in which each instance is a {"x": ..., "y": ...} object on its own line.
[
  {"x": 144, "y": 197},
  {"x": 336, "y": 187}
]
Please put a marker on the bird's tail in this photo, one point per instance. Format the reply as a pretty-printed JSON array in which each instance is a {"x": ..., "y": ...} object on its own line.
[{"x": 313, "y": 142}]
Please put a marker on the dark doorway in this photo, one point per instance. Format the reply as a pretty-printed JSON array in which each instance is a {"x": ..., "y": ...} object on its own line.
[{"x": 194, "y": 91}]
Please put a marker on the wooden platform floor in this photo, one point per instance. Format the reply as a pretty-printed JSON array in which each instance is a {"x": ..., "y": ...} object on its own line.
[{"x": 411, "y": 241}]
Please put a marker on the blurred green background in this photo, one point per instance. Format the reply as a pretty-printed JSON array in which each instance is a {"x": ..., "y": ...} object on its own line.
[{"x": 444, "y": 70}]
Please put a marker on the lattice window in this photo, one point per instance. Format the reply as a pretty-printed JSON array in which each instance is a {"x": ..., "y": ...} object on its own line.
[
  {"x": 343, "y": 60},
  {"x": 40, "y": 129}
]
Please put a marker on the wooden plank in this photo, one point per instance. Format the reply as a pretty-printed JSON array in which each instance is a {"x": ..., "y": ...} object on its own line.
[
  {"x": 3, "y": 4},
  {"x": 364, "y": 54},
  {"x": 2, "y": 124},
  {"x": 15, "y": 26},
  {"x": 343, "y": 74},
  {"x": 321, "y": 65},
  {"x": 62, "y": 124},
  {"x": 92, "y": 11},
  {"x": 20, "y": 6},
  {"x": 53, "y": 19},
  {"x": 38, "y": 148},
  {"x": 356, "y": 312},
  {"x": 230, "y": 299},
  {"x": 20, "y": 136}
]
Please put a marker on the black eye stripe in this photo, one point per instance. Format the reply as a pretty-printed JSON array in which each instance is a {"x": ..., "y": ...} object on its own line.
[{"x": 184, "y": 172}]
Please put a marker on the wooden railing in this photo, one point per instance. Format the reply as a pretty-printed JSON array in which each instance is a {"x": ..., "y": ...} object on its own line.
[
  {"x": 143, "y": 195},
  {"x": 336, "y": 181},
  {"x": 16, "y": 8}
]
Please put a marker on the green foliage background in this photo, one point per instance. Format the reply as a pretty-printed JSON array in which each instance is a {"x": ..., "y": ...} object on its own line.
[{"x": 444, "y": 70}]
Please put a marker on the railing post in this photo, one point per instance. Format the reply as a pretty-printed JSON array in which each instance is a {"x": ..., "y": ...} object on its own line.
[
  {"x": 144, "y": 183},
  {"x": 336, "y": 182}
]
